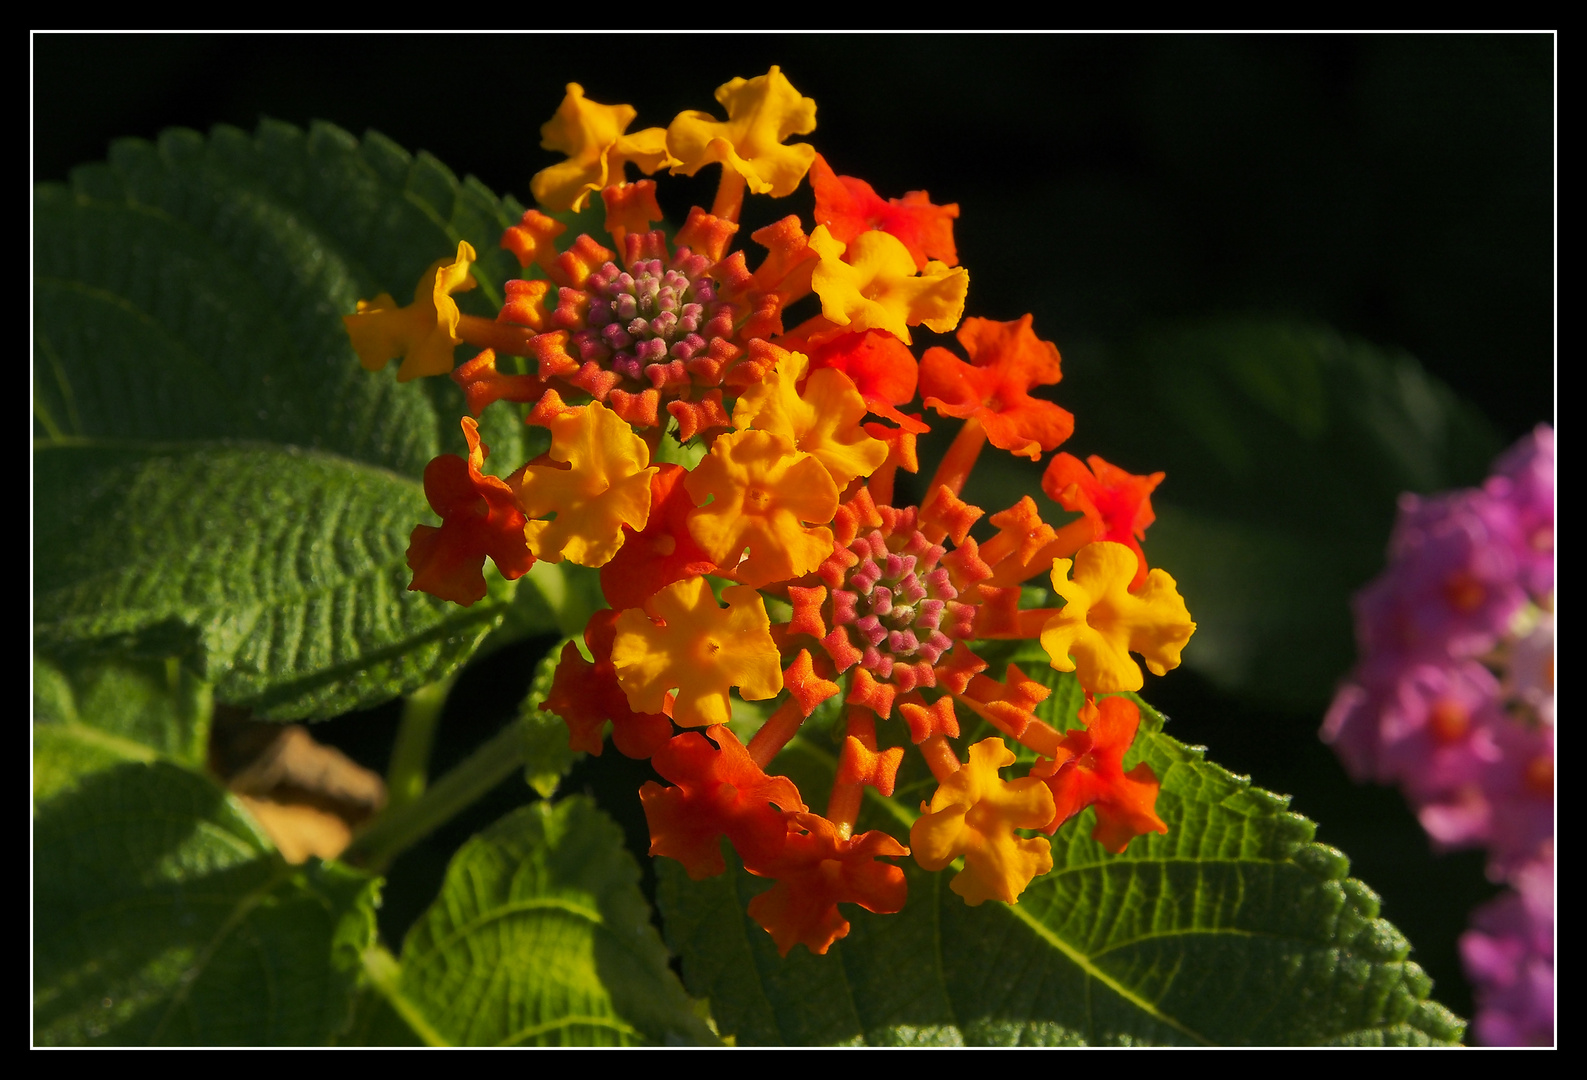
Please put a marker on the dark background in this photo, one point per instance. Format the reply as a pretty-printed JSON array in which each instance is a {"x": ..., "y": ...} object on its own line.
[{"x": 1397, "y": 188}]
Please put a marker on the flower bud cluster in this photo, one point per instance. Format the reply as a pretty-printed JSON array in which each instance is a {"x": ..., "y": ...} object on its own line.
[{"x": 648, "y": 323}]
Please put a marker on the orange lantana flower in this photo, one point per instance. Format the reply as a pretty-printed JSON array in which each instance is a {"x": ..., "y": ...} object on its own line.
[
  {"x": 1118, "y": 504},
  {"x": 479, "y": 517},
  {"x": 591, "y": 135},
  {"x": 718, "y": 792},
  {"x": 882, "y": 368},
  {"x": 662, "y": 552},
  {"x": 1007, "y": 359},
  {"x": 974, "y": 814},
  {"x": 849, "y": 207},
  {"x": 761, "y": 113},
  {"x": 1089, "y": 771},
  {"x": 425, "y": 332},
  {"x": 756, "y": 491},
  {"x": 585, "y": 694},
  {"x": 818, "y": 869},
  {"x": 697, "y": 649}
]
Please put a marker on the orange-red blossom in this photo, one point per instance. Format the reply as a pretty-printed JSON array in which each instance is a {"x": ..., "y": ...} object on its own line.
[{"x": 790, "y": 503}]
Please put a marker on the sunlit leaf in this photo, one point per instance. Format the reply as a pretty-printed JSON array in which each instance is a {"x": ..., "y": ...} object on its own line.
[
  {"x": 540, "y": 937},
  {"x": 547, "y": 756},
  {"x": 1235, "y": 928},
  {"x": 280, "y": 571}
]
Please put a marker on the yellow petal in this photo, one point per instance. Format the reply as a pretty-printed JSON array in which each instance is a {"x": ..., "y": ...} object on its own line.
[
  {"x": 606, "y": 487},
  {"x": 591, "y": 135},
  {"x": 761, "y": 113},
  {"x": 823, "y": 421},
  {"x": 1102, "y": 622},
  {"x": 424, "y": 333},
  {"x": 755, "y": 491},
  {"x": 871, "y": 284},
  {"x": 700, "y": 650},
  {"x": 975, "y": 813}
]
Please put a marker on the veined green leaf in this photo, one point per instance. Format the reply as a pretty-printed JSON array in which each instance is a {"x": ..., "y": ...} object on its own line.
[
  {"x": 99, "y": 712},
  {"x": 282, "y": 570},
  {"x": 190, "y": 292},
  {"x": 163, "y": 916},
  {"x": 1235, "y": 928},
  {"x": 540, "y": 937},
  {"x": 194, "y": 288}
]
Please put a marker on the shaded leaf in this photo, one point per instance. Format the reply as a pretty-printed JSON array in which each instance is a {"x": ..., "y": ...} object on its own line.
[
  {"x": 377, "y": 1020},
  {"x": 540, "y": 937},
  {"x": 1235, "y": 928},
  {"x": 162, "y": 916},
  {"x": 1286, "y": 446},
  {"x": 193, "y": 288},
  {"x": 99, "y": 711},
  {"x": 283, "y": 571},
  {"x": 190, "y": 292}
]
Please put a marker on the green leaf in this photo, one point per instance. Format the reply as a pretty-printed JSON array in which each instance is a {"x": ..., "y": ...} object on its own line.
[
  {"x": 377, "y": 1023},
  {"x": 190, "y": 293},
  {"x": 1286, "y": 446},
  {"x": 547, "y": 755},
  {"x": 193, "y": 288},
  {"x": 162, "y": 916},
  {"x": 540, "y": 937},
  {"x": 283, "y": 570},
  {"x": 1235, "y": 928},
  {"x": 96, "y": 713}
]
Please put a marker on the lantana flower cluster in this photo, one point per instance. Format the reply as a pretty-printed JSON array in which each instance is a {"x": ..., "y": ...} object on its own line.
[
  {"x": 729, "y": 472},
  {"x": 1453, "y": 700}
]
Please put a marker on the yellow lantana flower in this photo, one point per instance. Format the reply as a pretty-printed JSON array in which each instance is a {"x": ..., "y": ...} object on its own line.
[
  {"x": 755, "y": 491},
  {"x": 699, "y": 650},
  {"x": 1102, "y": 622},
  {"x": 591, "y": 135},
  {"x": 974, "y": 814},
  {"x": 425, "y": 332},
  {"x": 606, "y": 486},
  {"x": 761, "y": 113},
  {"x": 823, "y": 421},
  {"x": 871, "y": 284}
]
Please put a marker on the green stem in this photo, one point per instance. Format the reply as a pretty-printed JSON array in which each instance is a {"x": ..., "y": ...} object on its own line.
[
  {"x": 385, "y": 974},
  {"x": 408, "y": 773},
  {"x": 399, "y": 828}
]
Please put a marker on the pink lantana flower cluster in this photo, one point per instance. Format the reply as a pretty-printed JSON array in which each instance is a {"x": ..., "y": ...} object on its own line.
[{"x": 1453, "y": 701}]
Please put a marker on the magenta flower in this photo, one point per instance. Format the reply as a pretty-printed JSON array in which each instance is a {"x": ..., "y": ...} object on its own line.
[
  {"x": 1452, "y": 586},
  {"x": 1523, "y": 480},
  {"x": 1509, "y": 957},
  {"x": 1453, "y": 700}
]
